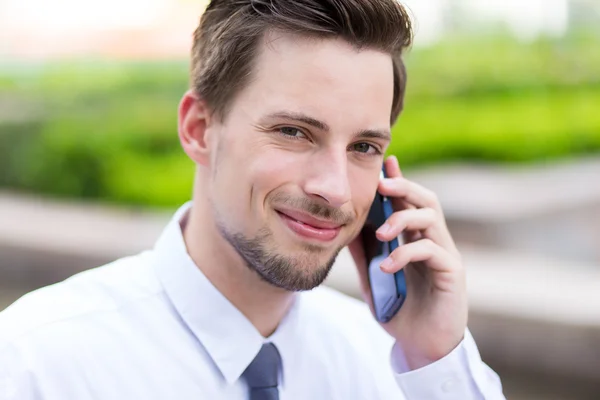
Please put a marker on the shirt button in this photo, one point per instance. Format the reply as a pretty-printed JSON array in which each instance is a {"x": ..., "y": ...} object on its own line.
[{"x": 449, "y": 385}]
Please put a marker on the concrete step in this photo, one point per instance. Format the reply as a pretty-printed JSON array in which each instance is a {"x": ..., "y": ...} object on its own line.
[
  {"x": 551, "y": 209},
  {"x": 44, "y": 241}
]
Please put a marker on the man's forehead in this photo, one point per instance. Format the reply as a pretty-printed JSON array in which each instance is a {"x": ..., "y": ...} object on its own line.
[{"x": 321, "y": 76}]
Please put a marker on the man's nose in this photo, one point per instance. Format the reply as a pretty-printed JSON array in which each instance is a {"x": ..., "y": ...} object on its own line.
[{"x": 327, "y": 178}]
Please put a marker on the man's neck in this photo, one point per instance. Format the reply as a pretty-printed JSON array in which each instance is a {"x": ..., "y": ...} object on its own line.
[{"x": 262, "y": 303}]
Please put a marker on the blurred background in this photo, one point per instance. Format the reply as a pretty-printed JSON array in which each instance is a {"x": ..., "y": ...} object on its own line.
[{"x": 502, "y": 120}]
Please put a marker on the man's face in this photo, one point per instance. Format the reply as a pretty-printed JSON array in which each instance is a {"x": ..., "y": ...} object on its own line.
[{"x": 295, "y": 164}]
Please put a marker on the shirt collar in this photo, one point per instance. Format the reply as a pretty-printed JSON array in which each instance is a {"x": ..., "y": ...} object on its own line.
[{"x": 229, "y": 338}]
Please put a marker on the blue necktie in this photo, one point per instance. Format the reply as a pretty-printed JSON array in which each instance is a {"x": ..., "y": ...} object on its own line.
[{"x": 262, "y": 373}]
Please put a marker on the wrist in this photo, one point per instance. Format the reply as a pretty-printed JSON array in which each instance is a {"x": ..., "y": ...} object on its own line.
[{"x": 411, "y": 357}]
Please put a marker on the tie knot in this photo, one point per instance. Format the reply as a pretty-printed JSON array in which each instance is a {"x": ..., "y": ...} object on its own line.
[{"x": 263, "y": 371}]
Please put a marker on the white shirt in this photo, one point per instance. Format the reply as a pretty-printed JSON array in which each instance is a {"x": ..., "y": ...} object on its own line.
[{"x": 152, "y": 327}]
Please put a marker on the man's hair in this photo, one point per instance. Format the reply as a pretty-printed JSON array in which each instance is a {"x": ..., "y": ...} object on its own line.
[{"x": 226, "y": 42}]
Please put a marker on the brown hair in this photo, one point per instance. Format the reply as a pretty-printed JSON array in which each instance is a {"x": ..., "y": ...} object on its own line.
[{"x": 230, "y": 31}]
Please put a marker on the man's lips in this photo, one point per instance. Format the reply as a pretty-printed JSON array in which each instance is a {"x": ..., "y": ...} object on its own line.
[
  {"x": 308, "y": 226},
  {"x": 309, "y": 219}
]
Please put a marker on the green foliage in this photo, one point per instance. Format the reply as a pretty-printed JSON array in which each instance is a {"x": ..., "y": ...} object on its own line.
[
  {"x": 499, "y": 65},
  {"x": 518, "y": 127},
  {"x": 109, "y": 130},
  {"x": 105, "y": 131}
]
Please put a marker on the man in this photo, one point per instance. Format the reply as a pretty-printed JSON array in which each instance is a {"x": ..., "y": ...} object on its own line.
[{"x": 287, "y": 121}]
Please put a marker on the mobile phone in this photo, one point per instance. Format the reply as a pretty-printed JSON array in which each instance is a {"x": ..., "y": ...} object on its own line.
[{"x": 388, "y": 291}]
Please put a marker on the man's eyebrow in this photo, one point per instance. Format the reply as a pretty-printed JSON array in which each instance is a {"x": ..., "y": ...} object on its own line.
[
  {"x": 383, "y": 134},
  {"x": 299, "y": 117}
]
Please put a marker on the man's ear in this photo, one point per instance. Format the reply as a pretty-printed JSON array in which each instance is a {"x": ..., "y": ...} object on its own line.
[{"x": 193, "y": 127}]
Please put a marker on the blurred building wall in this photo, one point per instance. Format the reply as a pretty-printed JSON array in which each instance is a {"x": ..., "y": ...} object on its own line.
[
  {"x": 41, "y": 29},
  {"x": 162, "y": 28}
]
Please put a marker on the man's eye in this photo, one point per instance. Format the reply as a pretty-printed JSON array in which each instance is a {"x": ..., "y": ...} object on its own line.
[
  {"x": 291, "y": 132},
  {"x": 365, "y": 148}
]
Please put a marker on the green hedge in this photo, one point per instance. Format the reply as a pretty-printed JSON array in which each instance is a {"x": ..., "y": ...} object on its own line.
[
  {"x": 524, "y": 126},
  {"x": 108, "y": 130}
]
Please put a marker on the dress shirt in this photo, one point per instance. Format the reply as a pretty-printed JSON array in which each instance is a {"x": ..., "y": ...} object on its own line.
[{"x": 153, "y": 327}]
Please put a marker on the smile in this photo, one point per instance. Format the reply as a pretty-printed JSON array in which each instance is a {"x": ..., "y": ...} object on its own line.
[{"x": 309, "y": 227}]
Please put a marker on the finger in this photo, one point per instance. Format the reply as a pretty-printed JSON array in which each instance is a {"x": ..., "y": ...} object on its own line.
[
  {"x": 415, "y": 219},
  {"x": 392, "y": 169},
  {"x": 410, "y": 192},
  {"x": 417, "y": 195},
  {"x": 425, "y": 250},
  {"x": 423, "y": 221}
]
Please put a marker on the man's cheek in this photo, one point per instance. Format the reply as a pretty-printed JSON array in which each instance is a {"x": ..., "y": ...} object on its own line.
[
  {"x": 358, "y": 224},
  {"x": 363, "y": 211}
]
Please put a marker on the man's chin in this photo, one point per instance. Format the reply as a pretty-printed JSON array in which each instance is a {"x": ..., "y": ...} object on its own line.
[
  {"x": 310, "y": 257},
  {"x": 296, "y": 271},
  {"x": 309, "y": 271},
  {"x": 293, "y": 266},
  {"x": 303, "y": 281}
]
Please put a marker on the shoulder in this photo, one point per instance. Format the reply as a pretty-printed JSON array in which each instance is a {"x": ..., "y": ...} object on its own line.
[{"x": 91, "y": 292}]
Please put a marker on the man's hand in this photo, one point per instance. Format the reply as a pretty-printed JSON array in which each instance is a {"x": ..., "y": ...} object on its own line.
[{"x": 433, "y": 318}]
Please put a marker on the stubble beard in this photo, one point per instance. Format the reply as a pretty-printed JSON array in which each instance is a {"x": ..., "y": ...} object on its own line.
[{"x": 292, "y": 273}]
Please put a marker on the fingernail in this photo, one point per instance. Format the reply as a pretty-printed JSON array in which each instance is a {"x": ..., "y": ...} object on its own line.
[
  {"x": 383, "y": 229},
  {"x": 387, "y": 264}
]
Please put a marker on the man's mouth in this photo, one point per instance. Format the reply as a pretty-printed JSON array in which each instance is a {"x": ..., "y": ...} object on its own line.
[{"x": 307, "y": 226}]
